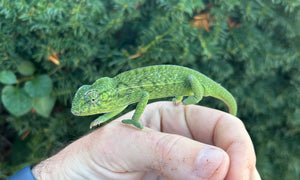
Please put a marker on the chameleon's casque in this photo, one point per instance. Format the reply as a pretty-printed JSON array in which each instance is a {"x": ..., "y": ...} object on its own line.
[{"x": 113, "y": 95}]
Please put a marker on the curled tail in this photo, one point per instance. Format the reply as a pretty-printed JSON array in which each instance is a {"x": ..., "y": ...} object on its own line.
[{"x": 221, "y": 93}]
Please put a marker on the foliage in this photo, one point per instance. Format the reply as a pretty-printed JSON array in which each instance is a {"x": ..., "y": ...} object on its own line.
[{"x": 49, "y": 48}]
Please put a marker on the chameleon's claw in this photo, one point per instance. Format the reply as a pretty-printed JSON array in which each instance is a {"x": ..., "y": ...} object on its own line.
[
  {"x": 177, "y": 103},
  {"x": 93, "y": 124},
  {"x": 177, "y": 100},
  {"x": 135, "y": 123}
]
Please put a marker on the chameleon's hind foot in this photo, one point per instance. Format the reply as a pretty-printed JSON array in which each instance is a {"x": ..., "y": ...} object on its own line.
[
  {"x": 177, "y": 100},
  {"x": 197, "y": 89},
  {"x": 135, "y": 123}
]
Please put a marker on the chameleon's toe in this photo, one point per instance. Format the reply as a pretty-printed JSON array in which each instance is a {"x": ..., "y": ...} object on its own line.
[
  {"x": 135, "y": 123},
  {"x": 177, "y": 100},
  {"x": 95, "y": 123},
  {"x": 177, "y": 103}
]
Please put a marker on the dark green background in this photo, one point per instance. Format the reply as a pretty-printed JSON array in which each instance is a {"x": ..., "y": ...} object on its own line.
[{"x": 250, "y": 47}]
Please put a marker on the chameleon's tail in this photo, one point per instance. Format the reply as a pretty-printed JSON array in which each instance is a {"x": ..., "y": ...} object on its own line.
[{"x": 225, "y": 96}]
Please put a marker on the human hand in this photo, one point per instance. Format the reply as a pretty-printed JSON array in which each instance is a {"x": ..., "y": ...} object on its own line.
[{"x": 178, "y": 142}]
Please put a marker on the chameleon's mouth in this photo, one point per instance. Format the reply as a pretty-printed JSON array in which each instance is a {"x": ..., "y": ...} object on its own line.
[
  {"x": 78, "y": 112},
  {"x": 73, "y": 111}
]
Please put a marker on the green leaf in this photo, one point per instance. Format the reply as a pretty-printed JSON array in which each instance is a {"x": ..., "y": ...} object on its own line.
[
  {"x": 7, "y": 77},
  {"x": 15, "y": 100},
  {"x": 26, "y": 68},
  {"x": 44, "y": 105},
  {"x": 40, "y": 86}
]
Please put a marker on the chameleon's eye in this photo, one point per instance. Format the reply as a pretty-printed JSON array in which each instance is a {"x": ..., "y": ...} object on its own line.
[{"x": 92, "y": 97}]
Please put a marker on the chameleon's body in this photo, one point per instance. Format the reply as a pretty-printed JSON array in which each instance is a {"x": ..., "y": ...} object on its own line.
[{"x": 113, "y": 95}]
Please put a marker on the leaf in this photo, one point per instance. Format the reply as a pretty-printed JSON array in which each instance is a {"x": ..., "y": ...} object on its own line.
[
  {"x": 40, "y": 86},
  {"x": 44, "y": 105},
  {"x": 7, "y": 77},
  {"x": 15, "y": 100},
  {"x": 26, "y": 68}
]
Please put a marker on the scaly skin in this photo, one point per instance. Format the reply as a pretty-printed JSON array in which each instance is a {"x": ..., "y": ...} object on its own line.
[{"x": 113, "y": 95}]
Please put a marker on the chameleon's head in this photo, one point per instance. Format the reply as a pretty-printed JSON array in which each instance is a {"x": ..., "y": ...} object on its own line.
[{"x": 89, "y": 101}]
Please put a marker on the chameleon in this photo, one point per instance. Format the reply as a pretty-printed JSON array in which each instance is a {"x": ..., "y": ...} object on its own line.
[{"x": 112, "y": 95}]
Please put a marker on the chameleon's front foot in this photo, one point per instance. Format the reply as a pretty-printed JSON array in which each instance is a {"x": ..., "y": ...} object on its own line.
[
  {"x": 95, "y": 123},
  {"x": 133, "y": 122}
]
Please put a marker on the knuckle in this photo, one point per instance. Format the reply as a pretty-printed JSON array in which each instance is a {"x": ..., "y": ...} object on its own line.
[{"x": 164, "y": 149}]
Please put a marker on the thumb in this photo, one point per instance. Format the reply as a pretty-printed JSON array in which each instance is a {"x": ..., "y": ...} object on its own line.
[{"x": 120, "y": 148}]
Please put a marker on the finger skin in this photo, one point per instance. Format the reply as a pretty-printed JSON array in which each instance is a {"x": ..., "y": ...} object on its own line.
[
  {"x": 227, "y": 132},
  {"x": 118, "y": 151},
  {"x": 255, "y": 175},
  {"x": 209, "y": 126},
  {"x": 132, "y": 154},
  {"x": 168, "y": 155}
]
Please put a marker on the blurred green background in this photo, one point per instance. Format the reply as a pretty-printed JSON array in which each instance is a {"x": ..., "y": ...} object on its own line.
[{"x": 50, "y": 48}]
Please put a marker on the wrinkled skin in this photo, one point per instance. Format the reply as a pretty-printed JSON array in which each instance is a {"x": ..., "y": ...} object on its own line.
[{"x": 178, "y": 142}]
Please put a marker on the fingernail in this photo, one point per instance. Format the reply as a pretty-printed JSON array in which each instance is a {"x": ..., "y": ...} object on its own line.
[{"x": 208, "y": 162}]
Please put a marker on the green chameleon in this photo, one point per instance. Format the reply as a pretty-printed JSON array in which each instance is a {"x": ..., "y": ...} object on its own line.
[{"x": 113, "y": 95}]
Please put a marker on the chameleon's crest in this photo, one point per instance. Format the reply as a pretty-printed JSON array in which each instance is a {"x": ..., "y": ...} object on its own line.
[{"x": 103, "y": 84}]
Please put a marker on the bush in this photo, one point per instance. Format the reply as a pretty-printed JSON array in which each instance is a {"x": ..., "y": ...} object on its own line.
[{"x": 50, "y": 48}]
